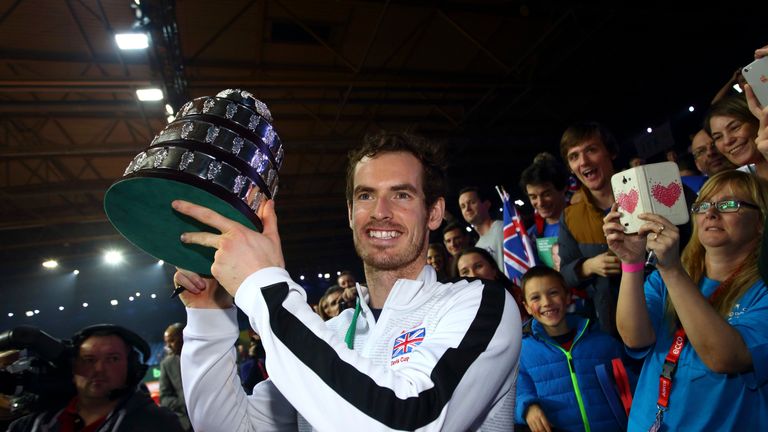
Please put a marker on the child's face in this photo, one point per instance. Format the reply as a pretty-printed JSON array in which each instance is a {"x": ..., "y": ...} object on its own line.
[{"x": 546, "y": 299}]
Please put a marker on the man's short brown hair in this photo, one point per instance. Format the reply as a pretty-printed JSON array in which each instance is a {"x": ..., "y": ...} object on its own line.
[
  {"x": 580, "y": 132},
  {"x": 430, "y": 155}
]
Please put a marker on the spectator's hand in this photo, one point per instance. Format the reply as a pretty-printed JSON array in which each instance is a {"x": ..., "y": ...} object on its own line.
[
  {"x": 629, "y": 248},
  {"x": 349, "y": 295},
  {"x": 761, "y": 52},
  {"x": 201, "y": 292},
  {"x": 663, "y": 238},
  {"x": 605, "y": 264},
  {"x": 536, "y": 419},
  {"x": 240, "y": 251}
]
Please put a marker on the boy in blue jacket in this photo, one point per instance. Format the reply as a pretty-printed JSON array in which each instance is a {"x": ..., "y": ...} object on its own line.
[{"x": 558, "y": 388}]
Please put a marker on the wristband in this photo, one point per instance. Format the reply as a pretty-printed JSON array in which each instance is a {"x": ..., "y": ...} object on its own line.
[{"x": 632, "y": 267}]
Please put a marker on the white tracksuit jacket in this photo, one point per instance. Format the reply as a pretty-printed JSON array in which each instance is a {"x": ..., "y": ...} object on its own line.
[{"x": 440, "y": 357}]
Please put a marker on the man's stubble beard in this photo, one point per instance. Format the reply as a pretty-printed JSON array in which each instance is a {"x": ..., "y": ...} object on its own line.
[{"x": 375, "y": 261}]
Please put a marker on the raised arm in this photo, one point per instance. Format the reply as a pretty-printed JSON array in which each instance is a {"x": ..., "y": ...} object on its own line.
[{"x": 632, "y": 318}]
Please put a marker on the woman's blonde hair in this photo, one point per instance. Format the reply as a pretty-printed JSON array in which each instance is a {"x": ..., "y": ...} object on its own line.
[{"x": 693, "y": 255}]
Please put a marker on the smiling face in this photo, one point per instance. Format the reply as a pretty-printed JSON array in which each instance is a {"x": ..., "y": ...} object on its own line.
[
  {"x": 435, "y": 258},
  {"x": 707, "y": 157},
  {"x": 735, "y": 139},
  {"x": 728, "y": 230},
  {"x": 474, "y": 265},
  {"x": 546, "y": 299},
  {"x": 101, "y": 366},
  {"x": 474, "y": 211},
  {"x": 330, "y": 304},
  {"x": 548, "y": 201},
  {"x": 388, "y": 215},
  {"x": 592, "y": 164},
  {"x": 456, "y": 240}
]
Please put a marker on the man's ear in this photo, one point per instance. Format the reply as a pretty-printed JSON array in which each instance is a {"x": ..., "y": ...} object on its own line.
[{"x": 436, "y": 213}]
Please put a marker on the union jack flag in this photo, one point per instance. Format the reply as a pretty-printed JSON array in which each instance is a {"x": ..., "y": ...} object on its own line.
[
  {"x": 407, "y": 341},
  {"x": 519, "y": 255}
]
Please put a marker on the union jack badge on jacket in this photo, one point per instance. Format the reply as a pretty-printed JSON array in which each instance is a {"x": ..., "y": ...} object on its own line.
[{"x": 407, "y": 341}]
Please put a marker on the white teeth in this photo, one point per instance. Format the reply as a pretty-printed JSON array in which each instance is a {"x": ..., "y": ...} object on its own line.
[{"x": 383, "y": 234}]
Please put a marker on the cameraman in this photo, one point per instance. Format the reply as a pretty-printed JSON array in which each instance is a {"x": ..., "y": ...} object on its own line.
[{"x": 107, "y": 372}]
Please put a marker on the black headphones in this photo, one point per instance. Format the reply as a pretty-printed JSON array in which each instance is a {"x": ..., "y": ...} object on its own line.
[{"x": 136, "y": 368}]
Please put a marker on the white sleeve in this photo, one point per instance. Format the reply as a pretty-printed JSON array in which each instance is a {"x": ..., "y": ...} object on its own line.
[
  {"x": 215, "y": 398},
  {"x": 452, "y": 381}
]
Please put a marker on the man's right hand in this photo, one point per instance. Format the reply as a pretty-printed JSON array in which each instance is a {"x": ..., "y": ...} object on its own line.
[
  {"x": 536, "y": 419},
  {"x": 201, "y": 292}
]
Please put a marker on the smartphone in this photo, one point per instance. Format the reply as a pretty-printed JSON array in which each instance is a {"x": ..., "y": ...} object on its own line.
[{"x": 756, "y": 74}]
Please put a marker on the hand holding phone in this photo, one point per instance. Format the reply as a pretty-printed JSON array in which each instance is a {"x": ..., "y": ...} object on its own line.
[{"x": 756, "y": 74}]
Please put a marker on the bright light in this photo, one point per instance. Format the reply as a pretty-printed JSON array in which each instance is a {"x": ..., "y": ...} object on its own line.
[
  {"x": 170, "y": 118},
  {"x": 131, "y": 298},
  {"x": 301, "y": 277},
  {"x": 327, "y": 275},
  {"x": 138, "y": 294},
  {"x": 160, "y": 262},
  {"x": 113, "y": 257},
  {"x": 738, "y": 88},
  {"x": 153, "y": 295},
  {"x": 149, "y": 94},
  {"x": 50, "y": 264},
  {"x": 649, "y": 130},
  {"x": 85, "y": 304},
  {"x": 113, "y": 302},
  {"x": 10, "y": 314},
  {"x": 76, "y": 272},
  {"x": 519, "y": 202},
  {"x": 29, "y": 313},
  {"x": 320, "y": 275},
  {"x": 691, "y": 108},
  {"x": 469, "y": 229},
  {"x": 168, "y": 109},
  {"x": 61, "y": 307},
  {"x": 132, "y": 41},
  {"x": 338, "y": 273}
]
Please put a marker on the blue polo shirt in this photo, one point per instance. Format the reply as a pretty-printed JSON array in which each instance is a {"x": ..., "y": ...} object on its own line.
[{"x": 702, "y": 400}]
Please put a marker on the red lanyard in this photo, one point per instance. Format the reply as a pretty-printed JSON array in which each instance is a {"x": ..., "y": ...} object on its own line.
[{"x": 678, "y": 342}]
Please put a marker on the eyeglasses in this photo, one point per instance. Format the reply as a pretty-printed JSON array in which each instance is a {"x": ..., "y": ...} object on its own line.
[
  {"x": 724, "y": 206},
  {"x": 701, "y": 151}
]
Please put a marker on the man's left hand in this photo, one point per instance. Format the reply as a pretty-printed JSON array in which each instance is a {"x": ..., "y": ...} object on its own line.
[{"x": 240, "y": 251}]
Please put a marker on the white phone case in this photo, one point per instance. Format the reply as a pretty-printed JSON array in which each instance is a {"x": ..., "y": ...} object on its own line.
[
  {"x": 756, "y": 74},
  {"x": 654, "y": 188}
]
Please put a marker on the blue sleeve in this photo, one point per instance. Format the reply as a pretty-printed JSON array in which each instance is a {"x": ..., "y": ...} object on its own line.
[
  {"x": 525, "y": 393},
  {"x": 655, "y": 298},
  {"x": 570, "y": 254},
  {"x": 749, "y": 318}
]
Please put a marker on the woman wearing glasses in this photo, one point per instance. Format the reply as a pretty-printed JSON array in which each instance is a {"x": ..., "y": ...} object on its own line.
[{"x": 699, "y": 321}]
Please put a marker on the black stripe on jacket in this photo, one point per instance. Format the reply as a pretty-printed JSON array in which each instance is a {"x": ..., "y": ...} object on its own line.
[{"x": 360, "y": 390}]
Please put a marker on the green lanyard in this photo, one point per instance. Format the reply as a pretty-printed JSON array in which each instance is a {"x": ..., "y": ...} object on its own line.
[{"x": 349, "y": 339}]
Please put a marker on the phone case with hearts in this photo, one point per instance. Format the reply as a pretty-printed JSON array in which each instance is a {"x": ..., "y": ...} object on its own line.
[{"x": 653, "y": 188}]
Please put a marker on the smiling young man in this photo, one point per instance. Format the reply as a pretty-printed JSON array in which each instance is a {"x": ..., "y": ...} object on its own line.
[
  {"x": 585, "y": 261},
  {"x": 545, "y": 182},
  {"x": 413, "y": 354}
]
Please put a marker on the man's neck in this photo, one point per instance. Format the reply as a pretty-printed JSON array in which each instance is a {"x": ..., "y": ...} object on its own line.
[
  {"x": 603, "y": 198},
  {"x": 92, "y": 409},
  {"x": 483, "y": 227},
  {"x": 552, "y": 220},
  {"x": 380, "y": 282}
]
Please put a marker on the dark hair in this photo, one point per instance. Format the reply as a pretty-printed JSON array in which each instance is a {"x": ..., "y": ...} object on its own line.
[
  {"x": 732, "y": 106},
  {"x": 544, "y": 171},
  {"x": 454, "y": 226},
  {"x": 685, "y": 161},
  {"x": 500, "y": 276},
  {"x": 542, "y": 271},
  {"x": 480, "y": 194},
  {"x": 134, "y": 344},
  {"x": 431, "y": 156},
  {"x": 580, "y": 132}
]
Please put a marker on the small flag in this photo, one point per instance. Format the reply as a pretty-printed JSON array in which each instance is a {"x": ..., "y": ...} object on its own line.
[{"x": 519, "y": 255}]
